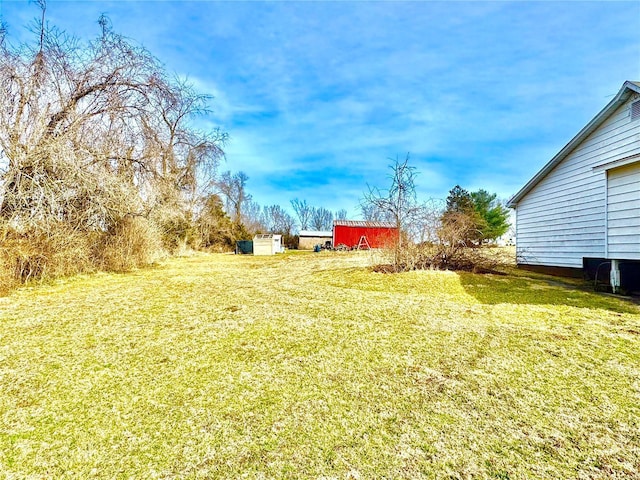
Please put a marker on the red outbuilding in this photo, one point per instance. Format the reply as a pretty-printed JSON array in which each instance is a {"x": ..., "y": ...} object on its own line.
[{"x": 362, "y": 234}]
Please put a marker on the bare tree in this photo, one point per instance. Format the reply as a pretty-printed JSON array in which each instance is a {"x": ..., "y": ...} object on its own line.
[
  {"x": 303, "y": 212},
  {"x": 187, "y": 159},
  {"x": 278, "y": 220},
  {"x": 252, "y": 217},
  {"x": 321, "y": 219},
  {"x": 74, "y": 114},
  {"x": 399, "y": 202},
  {"x": 93, "y": 134},
  {"x": 425, "y": 240},
  {"x": 426, "y": 223},
  {"x": 340, "y": 214},
  {"x": 372, "y": 213},
  {"x": 233, "y": 187}
]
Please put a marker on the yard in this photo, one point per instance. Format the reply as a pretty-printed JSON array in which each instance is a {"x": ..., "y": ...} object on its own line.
[{"x": 312, "y": 366}]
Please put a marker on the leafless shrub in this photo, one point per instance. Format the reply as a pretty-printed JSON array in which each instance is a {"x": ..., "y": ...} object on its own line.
[
  {"x": 429, "y": 240},
  {"x": 38, "y": 254},
  {"x": 456, "y": 249},
  {"x": 438, "y": 256},
  {"x": 131, "y": 243},
  {"x": 524, "y": 256}
]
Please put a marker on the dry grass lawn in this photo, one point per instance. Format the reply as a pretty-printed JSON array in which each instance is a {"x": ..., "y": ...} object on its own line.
[{"x": 312, "y": 366}]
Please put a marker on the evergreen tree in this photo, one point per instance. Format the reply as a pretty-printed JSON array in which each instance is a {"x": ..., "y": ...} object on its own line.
[
  {"x": 460, "y": 211},
  {"x": 214, "y": 226},
  {"x": 459, "y": 201},
  {"x": 483, "y": 215},
  {"x": 495, "y": 216}
]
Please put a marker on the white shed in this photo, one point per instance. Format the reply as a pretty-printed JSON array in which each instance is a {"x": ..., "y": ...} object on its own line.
[
  {"x": 583, "y": 207},
  {"x": 267, "y": 244}
]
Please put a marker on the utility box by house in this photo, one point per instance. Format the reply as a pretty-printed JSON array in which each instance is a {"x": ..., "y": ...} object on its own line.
[{"x": 267, "y": 244}]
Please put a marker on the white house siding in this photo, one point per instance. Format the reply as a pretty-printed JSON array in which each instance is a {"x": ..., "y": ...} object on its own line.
[
  {"x": 623, "y": 213},
  {"x": 562, "y": 219}
]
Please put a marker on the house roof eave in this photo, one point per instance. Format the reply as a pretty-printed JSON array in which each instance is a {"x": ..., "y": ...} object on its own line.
[{"x": 628, "y": 88}]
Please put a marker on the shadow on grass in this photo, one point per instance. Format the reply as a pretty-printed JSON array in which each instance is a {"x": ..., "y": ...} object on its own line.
[
  {"x": 500, "y": 289},
  {"x": 488, "y": 289}
]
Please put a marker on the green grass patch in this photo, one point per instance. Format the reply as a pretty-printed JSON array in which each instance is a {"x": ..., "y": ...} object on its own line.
[{"x": 313, "y": 366}]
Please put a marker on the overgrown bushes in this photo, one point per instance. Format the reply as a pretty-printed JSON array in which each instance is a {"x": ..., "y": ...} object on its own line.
[
  {"x": 59, "y": 251},
  {"x": 440, "y": 256},
  {"x": 100, "y": 164},
  {"x": 132, "y": 243},
  {"x": 39, "y": 254}
]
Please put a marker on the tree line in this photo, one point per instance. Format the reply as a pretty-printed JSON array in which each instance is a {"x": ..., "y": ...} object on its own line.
[
  {"x": 469, "y": 219},
  {"x": 232, "y": 214},
  {"x": 102, "y": 166}
]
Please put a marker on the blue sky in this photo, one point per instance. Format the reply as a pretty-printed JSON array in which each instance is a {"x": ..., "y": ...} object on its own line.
[{"x": 317, "y": 97}]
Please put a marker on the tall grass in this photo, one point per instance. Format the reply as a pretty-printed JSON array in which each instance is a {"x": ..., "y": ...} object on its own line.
[{"x": 133, "y": 242}]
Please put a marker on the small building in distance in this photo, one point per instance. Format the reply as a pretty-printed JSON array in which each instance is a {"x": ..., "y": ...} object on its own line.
[
  {"x": 267, "y": 244},
  {"x": 311, "y": 238},
  {"x": 362, "y": 234},
  {"x": 244, "y": 247}
]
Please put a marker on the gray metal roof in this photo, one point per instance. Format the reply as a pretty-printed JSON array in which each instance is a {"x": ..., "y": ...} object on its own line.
[
  {"x": 628, "y": 88},
  {"x": 363, "y": 223},
  {"x": 315, "y": 233}
]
